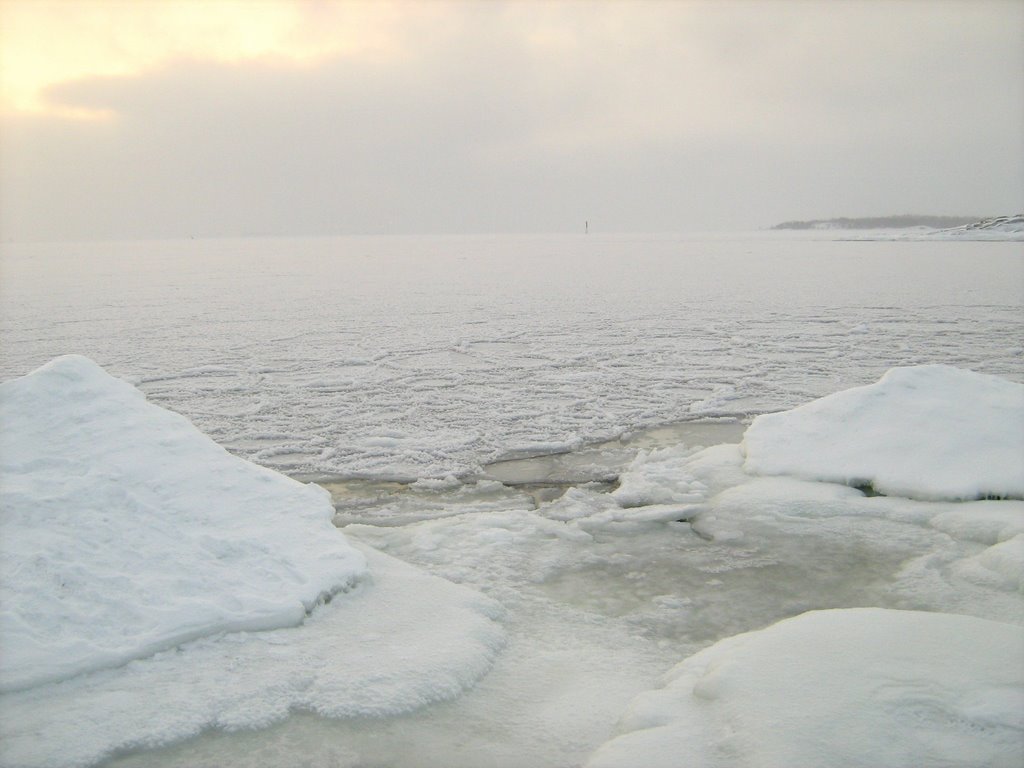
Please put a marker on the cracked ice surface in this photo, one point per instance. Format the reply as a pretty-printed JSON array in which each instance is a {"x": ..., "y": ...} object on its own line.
[{"x": 406, "y": 357}]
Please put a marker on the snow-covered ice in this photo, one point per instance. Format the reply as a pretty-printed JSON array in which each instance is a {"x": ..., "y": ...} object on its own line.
[
  {"x": 125, "y": 531},
  {"x": 397, "y": 642},
  {"x": 931, "y": 432},
  {"x": 153, "y": 585},
  {"x": 854, "y": 687}
]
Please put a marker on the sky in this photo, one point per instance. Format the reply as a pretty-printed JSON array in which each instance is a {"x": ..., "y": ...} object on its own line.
[{"x": 179, "y": 118}]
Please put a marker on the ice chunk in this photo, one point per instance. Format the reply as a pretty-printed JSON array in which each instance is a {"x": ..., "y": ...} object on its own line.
[
  {"x": 931, "y": 432},
  {"x": 654, "y": 477},
  {"x": 125, "y": 531},
  {"x": 861, "y": 686}
]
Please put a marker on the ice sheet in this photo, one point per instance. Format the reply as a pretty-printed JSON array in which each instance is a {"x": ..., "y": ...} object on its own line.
[{"x": 153, "y": 586}]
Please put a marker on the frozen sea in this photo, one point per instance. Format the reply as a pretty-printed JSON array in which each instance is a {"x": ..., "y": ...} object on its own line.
[
  {"x": 471, "y": 402},
  {"x": 405, "y": 357}
]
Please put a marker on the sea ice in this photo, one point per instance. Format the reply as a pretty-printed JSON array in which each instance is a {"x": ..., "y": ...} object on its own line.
[
  {"x": 929, "y": 432},
  {"x": 399, "y": 358},
  {"x": 852, "y": 687}
]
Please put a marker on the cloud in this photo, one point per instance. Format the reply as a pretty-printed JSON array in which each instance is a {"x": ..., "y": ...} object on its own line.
[{"x": 511, "y": 117}]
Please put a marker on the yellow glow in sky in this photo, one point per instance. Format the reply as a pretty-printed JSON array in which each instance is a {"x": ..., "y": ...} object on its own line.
[{"x": 45, "y": 42}]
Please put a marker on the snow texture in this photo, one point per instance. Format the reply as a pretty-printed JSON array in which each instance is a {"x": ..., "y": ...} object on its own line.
[
  {"x": 929, "y": 432},
  {"x": 855, "y": 687}
]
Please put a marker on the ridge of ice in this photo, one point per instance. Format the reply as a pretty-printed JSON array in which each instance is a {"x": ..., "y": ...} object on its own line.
[
  {"x": 125, "y": 531},
  {"x": 931, "y": 432}
]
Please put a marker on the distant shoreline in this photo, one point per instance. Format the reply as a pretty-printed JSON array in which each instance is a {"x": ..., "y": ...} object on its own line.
[{"x": 881, "y": 222}]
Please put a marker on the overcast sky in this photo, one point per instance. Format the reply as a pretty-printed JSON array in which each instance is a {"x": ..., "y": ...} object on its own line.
[{"x": 165, "y": 119}]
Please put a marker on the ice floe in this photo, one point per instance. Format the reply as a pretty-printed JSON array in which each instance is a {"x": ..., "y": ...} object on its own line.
[
  {"x": 125, "y": 531},
  {"x": 930, "y": 432},
  {"x": 153, "y": 585},
  {"x": 857, "y": 686}
]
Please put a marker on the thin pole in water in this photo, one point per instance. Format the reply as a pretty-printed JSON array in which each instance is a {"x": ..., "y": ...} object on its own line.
[{"x": 586, "y": 227}]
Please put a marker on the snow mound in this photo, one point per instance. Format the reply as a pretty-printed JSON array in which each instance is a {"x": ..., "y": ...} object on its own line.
[
  {"x": 931, "y": 432},
  {"x": 861, "y": 686},
  {"x": 125, "y": 531}
]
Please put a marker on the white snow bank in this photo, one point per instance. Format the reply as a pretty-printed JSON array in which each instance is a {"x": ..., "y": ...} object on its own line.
[
  {"x": 125, "y": 531},
  {"x": 931, "y": 432},
  {"x": 396, "y": 642},
  {"x": 856, "y": 687}
]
